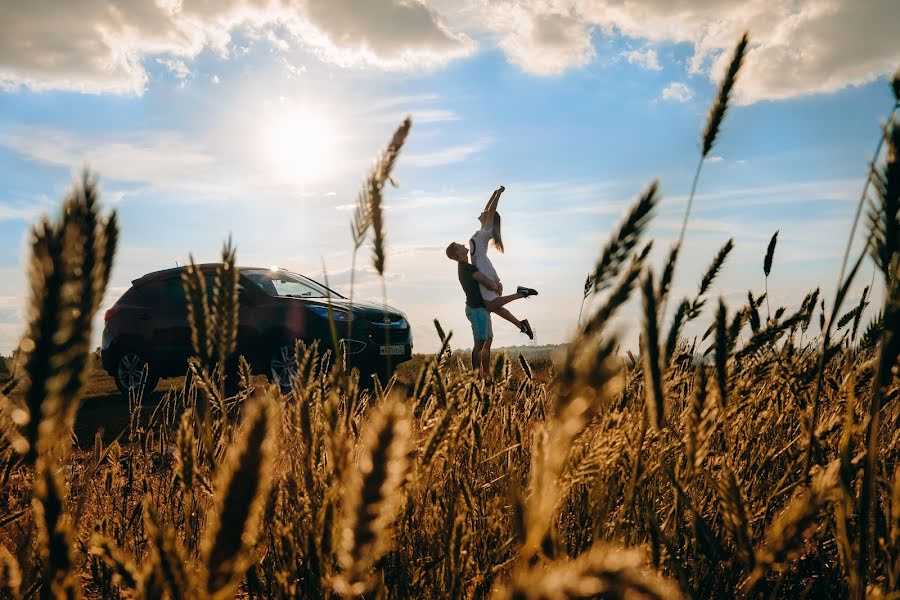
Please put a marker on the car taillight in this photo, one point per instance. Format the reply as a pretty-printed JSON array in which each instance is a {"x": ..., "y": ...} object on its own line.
[{"x": 110, "y": 313}]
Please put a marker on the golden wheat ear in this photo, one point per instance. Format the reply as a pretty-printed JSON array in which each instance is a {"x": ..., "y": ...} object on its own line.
[
  {"x": 241, "y": 490},
  {"x": 380, "y": 174},
  {"x": 373, "y": 497},
  {"x": 71, "y": 259},
  {"x": 10, "y": 574},
  {"x": 168, "y": 564},
  {"x": 601, "y": 572}
]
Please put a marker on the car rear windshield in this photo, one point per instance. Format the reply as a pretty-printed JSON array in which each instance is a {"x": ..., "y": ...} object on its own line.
[{"x": 284, "y": 283}]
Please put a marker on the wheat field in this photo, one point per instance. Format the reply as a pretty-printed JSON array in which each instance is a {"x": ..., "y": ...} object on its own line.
[{"x": 758, "y": 461}]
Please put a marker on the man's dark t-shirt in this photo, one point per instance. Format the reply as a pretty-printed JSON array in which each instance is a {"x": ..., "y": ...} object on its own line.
[{"x": 469, "y": 285}]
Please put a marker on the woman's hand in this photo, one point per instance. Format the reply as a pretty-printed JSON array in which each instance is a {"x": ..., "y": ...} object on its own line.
[{"x": 498, "y": 287}]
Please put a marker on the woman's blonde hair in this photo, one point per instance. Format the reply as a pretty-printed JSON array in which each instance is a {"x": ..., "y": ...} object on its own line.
[{"x": 498, "y": 239}]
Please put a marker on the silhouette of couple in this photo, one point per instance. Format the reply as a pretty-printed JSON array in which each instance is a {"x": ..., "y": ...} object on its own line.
[{"x": 482, "y": 285}]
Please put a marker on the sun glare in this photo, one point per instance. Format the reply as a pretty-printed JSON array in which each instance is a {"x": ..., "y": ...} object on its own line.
[{"x": 299, "y": 146}]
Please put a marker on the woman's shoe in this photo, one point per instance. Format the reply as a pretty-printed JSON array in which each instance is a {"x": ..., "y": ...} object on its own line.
[
  {"x": 526, "y": 291},
  {"x": 526, "y": 329}
]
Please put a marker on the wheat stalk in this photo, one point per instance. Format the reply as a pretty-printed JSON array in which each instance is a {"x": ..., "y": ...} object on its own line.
[
  {"x": 374, "y": 184},
  {"x": 655, "y": 400},
  {"x": 602, "y": 572},
  {"x": 55, "y": 535},
  {"x": 240, "y": 494},
  {"x": 711, "y": 131},
  {"x": 372, "y": 497}
]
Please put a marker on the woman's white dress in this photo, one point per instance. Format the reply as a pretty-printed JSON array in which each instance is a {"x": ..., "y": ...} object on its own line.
[{"x": 478, "y": 245}]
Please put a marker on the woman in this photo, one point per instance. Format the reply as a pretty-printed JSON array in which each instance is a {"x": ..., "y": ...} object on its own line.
[{"x": 478, "y": 246}]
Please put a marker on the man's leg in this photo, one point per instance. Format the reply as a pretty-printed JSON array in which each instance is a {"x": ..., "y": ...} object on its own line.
[
  {"x": 486, "y": 359},
  {"x": 476, "y": 355}
]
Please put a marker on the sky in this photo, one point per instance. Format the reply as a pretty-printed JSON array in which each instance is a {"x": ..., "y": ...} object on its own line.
[{"x": 260, "y": 118}]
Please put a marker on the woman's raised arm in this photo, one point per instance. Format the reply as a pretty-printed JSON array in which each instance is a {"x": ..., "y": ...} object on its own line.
[
  {"x": 491, "y": 206},
  {"x": 490, "y": 201}
]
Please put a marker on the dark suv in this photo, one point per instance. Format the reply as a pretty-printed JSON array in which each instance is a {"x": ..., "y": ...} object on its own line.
[{"x": 147, "y": 328}]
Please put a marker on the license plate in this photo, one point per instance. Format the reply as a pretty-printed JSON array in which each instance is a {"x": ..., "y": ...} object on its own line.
[{"x": 392, "y": 350}]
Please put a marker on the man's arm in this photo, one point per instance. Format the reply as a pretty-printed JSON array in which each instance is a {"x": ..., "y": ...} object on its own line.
[{"x": 486, "y": 281}]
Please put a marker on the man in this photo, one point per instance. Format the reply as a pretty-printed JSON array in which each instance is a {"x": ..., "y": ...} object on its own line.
[{"x": 476, "y": 311}]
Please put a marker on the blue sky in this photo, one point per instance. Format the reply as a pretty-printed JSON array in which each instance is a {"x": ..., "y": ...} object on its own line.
[{"x": 259, "y": 119}]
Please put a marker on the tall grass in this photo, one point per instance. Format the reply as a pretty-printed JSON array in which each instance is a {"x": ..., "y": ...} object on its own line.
[{"x": 703, "y": 468}]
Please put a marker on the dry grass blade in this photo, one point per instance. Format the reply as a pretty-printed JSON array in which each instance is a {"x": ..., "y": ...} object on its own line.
[{"x": 240, "y": 494}]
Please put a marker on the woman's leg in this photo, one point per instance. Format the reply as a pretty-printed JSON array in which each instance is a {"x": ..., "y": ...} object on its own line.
[{"x": 496, "y": 306}]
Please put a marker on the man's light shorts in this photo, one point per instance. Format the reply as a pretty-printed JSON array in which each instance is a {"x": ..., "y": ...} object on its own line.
[{"x": 480, "y": 319}]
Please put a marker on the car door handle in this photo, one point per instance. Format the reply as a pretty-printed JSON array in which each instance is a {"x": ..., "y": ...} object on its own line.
[{"x": 145, "y": 316}]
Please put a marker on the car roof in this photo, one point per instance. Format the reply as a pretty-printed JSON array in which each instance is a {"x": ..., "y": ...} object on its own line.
[{"x": 177, "y": 271}]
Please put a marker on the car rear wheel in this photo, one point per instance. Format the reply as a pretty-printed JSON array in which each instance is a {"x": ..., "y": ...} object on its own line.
[
  {"x": 282, "y": 368},
  {"x": 132, "y": 373}
]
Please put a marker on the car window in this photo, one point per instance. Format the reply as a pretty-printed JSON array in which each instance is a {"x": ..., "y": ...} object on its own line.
[
  {"x": 132, "y": 296},
  {"x": 283, "y": 283},
  {"x": 167, "y": 295}
]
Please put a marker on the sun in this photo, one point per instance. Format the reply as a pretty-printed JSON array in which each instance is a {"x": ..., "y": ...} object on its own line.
[{"x": 298, "y": 146}]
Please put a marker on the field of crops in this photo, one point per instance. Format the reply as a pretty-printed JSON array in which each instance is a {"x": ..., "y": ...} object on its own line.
[{"x": 758, "y": 461}]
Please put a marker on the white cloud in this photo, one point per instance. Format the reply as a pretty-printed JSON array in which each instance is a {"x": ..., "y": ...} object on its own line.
[
  {"x": 176, "y": 67},
  {"x": 93, "y": 46},
  {"x": 139, "y": 157},
  {"x": 646, "y": 58},
  {"x": 542, "y": 43},
  {"x": 677, "y": 92},
  {"x": 797, "y": 48},
  {"x": 9, "y": 212},
  {"x": 444, "y": 156}
]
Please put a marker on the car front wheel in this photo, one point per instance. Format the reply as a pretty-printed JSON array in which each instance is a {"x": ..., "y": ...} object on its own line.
[
  {"x": 282, "y": 368},
  {"x": 132, "y": 373}
]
